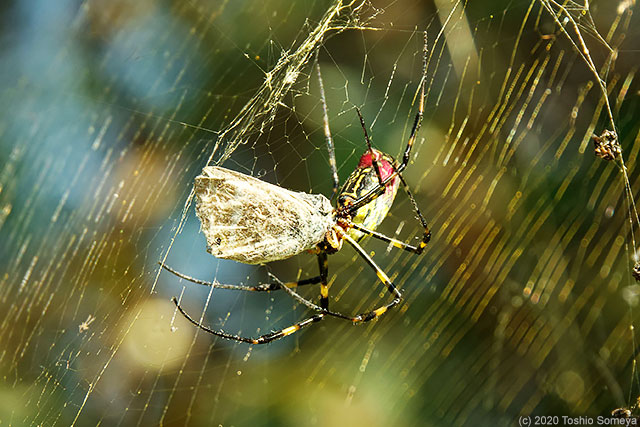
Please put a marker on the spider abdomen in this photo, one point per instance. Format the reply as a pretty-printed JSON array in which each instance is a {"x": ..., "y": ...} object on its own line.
[{"x": 361, "y": 181}]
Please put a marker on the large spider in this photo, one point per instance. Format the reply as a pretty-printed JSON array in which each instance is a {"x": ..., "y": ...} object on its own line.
[{"x": 254, "y": 222}]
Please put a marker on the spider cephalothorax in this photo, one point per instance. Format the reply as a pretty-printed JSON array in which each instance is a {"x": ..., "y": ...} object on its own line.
[{"x": 362, "y": 181}]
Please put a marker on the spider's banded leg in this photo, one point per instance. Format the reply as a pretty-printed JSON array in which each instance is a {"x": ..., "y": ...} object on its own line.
[
  {"x": 263, "y": 339},
  {"x": 365, "y": 317},
  {"x": 376, "y": 167},
  {"x": 323, "y": 264},
  {"x": 308, "y": 303},
  {"x": 426, "y": 237},
  {"x": 376, "y": 192},
  {"x": 273, "y": 335},
  {"x": 395, "y": 242},
  {"x": 373, "y": 194},
  {"x": 414, "y": 130},
  {"x": 305, "y": 301},
  {"x": 327, "y": 135},
  {"x": 257, "y": 288},
  {"x": 418, "y": 120}
]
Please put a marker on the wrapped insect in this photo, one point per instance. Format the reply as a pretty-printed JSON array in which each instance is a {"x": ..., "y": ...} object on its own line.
[{"x": 251, "y": 221}]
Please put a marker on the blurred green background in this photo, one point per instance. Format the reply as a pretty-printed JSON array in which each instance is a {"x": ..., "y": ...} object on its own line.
[{"x": 523, "y": 303}]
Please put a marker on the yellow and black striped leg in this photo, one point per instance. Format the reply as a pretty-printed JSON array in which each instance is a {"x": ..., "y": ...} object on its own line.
[
  {"x": 290, "y": 330},
  {"x": 378, "y": 190},
  {"x": 426, "y": 237},
  {"x": 395, "y": 242},
  {"x": 263, "y": 339},
  {"x": 382, "y": 185},
  {"x": 327, "y": 134},
  {"x": 258, "y": 288},
  {"x": 418, "y": 120},
  {"x": 374, "y": 162},
  {"x": 365, "y": 317},
  {"x": 324, "y": 287},
  {"x": 414, "y": 131},
  {"x": 308, "y": 303}
]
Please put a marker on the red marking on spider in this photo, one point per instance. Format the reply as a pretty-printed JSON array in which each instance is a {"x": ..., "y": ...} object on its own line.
[{"x": 385, "y": 166}]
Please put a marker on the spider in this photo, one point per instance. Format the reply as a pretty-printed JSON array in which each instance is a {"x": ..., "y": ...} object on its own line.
[
  {"x": 606, "y": 146},
  {"x": 238, "y": 216}
]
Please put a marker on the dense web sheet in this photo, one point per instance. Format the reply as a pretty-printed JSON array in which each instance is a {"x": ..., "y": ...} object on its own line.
[{"x": 523, "y": 303}]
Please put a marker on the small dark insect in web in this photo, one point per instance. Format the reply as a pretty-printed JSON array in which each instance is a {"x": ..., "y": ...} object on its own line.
[
  {"x": 626, "y": 412},
  {"x": 621, "y": 413},
  {"x": 606, "y": 145},
  {"x": 636, "y": 271},
  {"x": 251, "y": 221}
]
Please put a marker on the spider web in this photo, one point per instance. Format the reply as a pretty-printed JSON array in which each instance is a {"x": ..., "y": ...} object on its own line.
[{"x": 523, "y": 303}]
